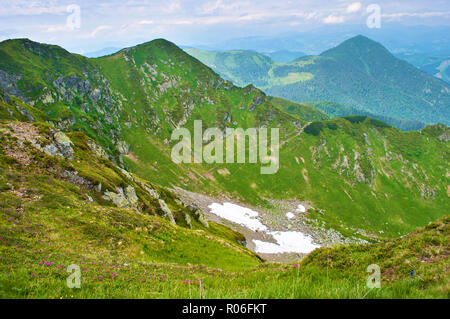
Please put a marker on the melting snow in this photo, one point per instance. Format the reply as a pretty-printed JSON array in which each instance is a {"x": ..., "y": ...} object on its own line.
[
  {"x": 237, "y": 214},
  {"x": 286, "y": 241}
]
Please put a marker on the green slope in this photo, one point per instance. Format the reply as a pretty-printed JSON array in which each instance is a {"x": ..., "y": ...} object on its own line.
[
  {"x": 303, "y": 111},
  {"x": 333, "y": 109},
  {"x": 241, "y": 67}
]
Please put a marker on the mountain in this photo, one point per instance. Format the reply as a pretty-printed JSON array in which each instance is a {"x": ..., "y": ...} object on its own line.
[
  {"x": 303, "y": 111},
  {"x": 364, "y": 76},
  {"x": 87, "y": 177},
  {"x": 240, "y": 67},
  {"x": 333, "y": 109},
  {"x": 101, "y": 52},
  {"x": 284, "y": 55},
  {"x": 396, "y": 37}
]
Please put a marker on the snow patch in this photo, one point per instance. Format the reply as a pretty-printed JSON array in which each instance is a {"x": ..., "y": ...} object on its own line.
[
  {"x": 287, "y": 242},
  {"x": 237, "y": 214},
  {"x": 289, "y": 215}
]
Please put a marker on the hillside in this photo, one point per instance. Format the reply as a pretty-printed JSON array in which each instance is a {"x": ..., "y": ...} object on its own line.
[
  {"x": 360, "y": 74},
  {"x": 241, "y": 67},
  {"x": 358, "y": 176}
]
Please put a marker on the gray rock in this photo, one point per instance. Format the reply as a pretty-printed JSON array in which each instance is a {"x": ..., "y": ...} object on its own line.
[{"x": 167, "y": 212}]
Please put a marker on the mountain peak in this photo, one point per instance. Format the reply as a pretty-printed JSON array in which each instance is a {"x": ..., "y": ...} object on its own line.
[{"x": 359, "y": 45}]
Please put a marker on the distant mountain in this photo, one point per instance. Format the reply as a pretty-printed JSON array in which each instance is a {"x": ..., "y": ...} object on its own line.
[
  {"x": 397, "y": 38},
  {"x": 363, "y": 74},
  {"x": 359, "y": 73},
  {"x": 284, "y": 55},
  {"x": 102, "y": 52},
  {"x": 239, "y": 66}
]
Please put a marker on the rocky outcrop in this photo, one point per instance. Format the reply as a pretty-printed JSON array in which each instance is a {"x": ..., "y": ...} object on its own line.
[
  {"x": 121, "y": 198},
  {"x": 97, "y": 149},
  {"x": 61, "y": 146},
  {"x": 198, "y": 214},
  {"x": 167, "y": 212}
]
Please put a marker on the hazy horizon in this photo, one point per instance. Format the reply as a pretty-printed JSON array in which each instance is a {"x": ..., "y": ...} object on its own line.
[{"x": 82, "y": 26}]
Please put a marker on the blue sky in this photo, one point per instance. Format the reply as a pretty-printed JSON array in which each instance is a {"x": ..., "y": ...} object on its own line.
[{"x": 122, "y": 23}]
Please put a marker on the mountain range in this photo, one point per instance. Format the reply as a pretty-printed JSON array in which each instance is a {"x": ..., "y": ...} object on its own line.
[
  {"x": 86, "y": 170},
  {"x": 359, "y": 73}
]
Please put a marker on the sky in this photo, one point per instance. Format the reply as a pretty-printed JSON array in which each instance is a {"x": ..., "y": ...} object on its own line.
[{"x": 85, "y": 25}]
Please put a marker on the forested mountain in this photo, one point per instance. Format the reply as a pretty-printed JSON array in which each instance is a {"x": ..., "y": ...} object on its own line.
[{"x": 360, "y": 74}]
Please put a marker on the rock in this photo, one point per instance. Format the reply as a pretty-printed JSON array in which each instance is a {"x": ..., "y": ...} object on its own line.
[
  {"x": 151, "y": 192},
  {"x": 198, "y": 214},
  {"x": 97, "y": 149},
  {"x": 444, "y": 137},
  {"x": 8, "y": 83},
  {"x": 95, "y": 95},
  {"x": 123, "y": 147},
  {"x": 64, "y": 144},
  {"x": 131, "y": 196},
  {"x": 168, "y": 213},
  {"x": 121, "y": 199},
  {"x": 25, "y": 113},
  {"x": 47, "y": 98},
  {"x": 188, "y": 220},
  {"x": 118, "y": 198}
]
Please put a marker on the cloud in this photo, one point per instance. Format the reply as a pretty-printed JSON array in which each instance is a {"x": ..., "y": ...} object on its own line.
[
  {"x": 145, "y": 22},
  {"x": 332, "y": 19},
  {"x": 399, "y": 15},
  {"x": 98, "y": 29},
  {"x": 30, "y": 8},
  {"x": 354, "y": 7}
]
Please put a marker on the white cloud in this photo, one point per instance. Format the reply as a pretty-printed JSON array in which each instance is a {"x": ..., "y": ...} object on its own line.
[
  {"x": 98, "y": 29},
  {"x": 332, "y": 19},
  {"x": 354, "y": 7},
  {"x": 399, "y": 15},
  {"x": 144, "y": 22}
]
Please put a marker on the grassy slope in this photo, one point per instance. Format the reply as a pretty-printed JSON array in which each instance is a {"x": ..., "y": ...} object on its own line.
[
  {"x": 47, "y": 223},
  {"x": 46, "y": 215},
  {"x": 303, "y": 111}
]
